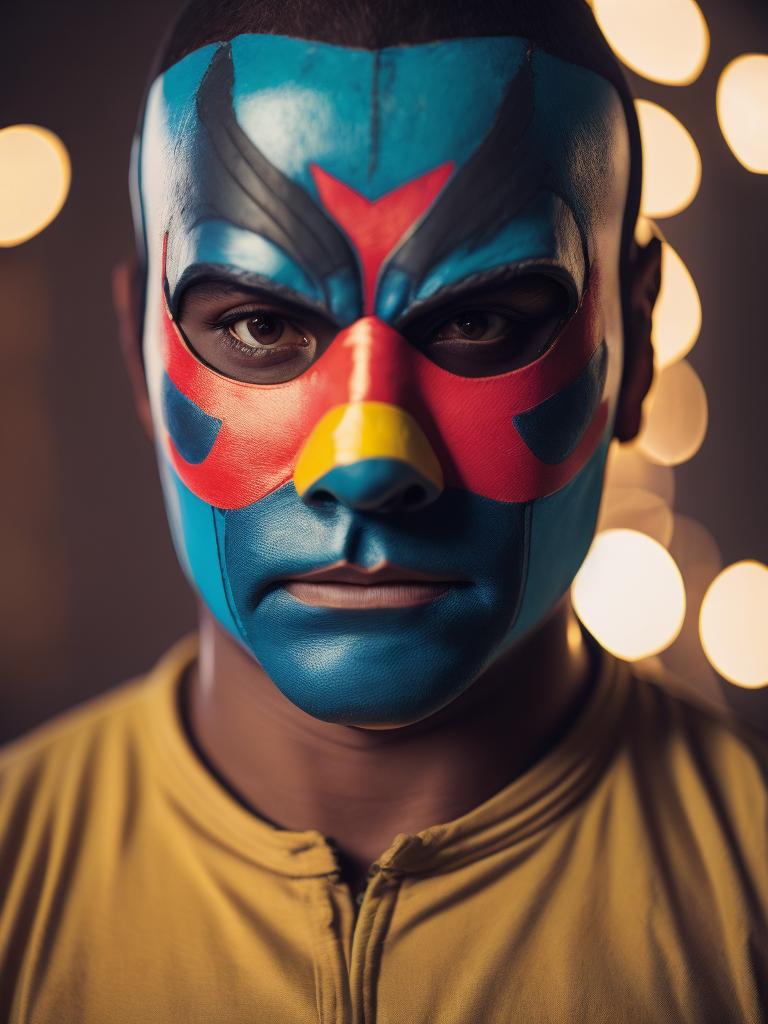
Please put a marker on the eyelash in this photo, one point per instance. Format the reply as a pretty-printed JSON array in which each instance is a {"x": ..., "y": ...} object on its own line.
[
  {"x": 238, "y": 346},
  {"x": 230, "y": 319},
  {"x": 224, "y": 323},
  {"x": 515, "y": 319}
]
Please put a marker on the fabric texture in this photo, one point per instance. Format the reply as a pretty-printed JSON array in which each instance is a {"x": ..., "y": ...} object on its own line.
[{"x": 624, "y": 878}]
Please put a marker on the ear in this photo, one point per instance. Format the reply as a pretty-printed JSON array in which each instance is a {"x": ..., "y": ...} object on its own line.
[
  {"x": 641, "y": 294},
  {"x": 126, "y": 295}
]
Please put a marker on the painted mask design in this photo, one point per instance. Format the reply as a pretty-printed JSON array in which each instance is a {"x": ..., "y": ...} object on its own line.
[{"x": 377, "y": 188}]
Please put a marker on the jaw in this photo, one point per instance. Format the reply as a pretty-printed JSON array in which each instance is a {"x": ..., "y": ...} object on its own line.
[
  {"x": 385, "y": 666},
  {"x": 378, "y": 666}
]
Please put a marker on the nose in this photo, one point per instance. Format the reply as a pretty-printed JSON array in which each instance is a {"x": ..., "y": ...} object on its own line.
[{"x": 370, "y": 456}]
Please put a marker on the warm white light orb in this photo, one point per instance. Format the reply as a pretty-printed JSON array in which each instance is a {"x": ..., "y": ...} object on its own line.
[
  {"x": 742, "y": 109},
  {"x": 697, "y": 556},
  {"x": 671, "y": 162},
  {"x": 629, "y": 594},
  {"x": 626, "y": 466},
  {"x": 676, "y": 416},
  {"x": 664, "y": 40},
  {"x": 677, "y": 313},
  {"x": 734, "y": 624},
  {"x": 34, "y": 181},
  {"x": 645, "y": 230},
  {"x": 634, "y": 508}
]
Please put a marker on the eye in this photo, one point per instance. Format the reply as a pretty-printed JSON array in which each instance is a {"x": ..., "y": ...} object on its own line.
[
  {"x": 265, "y": 331},
  {"x": 505, "y": 329},
  {"x": 240, "y": 338},
  {"x": 474, "y": 325}
]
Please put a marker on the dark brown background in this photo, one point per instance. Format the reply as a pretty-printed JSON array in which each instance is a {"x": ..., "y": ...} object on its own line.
[{"x": 90, "y": 591}]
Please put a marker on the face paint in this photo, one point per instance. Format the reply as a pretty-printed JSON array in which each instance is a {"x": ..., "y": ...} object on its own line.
[{"x": 378, "y": 188}]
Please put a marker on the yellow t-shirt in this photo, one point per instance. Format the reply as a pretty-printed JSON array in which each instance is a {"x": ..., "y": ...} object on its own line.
[{"x": 624, "y": 878}]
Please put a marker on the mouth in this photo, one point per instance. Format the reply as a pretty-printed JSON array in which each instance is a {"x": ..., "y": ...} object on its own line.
[{"x": 352, "y": 587}]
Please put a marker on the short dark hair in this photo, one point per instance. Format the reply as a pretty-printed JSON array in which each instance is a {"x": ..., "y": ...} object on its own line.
[{"x": 563, "y": 28}]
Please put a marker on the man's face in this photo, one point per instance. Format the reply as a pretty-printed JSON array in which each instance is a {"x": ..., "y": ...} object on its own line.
[{"x": 383, "y": 346}]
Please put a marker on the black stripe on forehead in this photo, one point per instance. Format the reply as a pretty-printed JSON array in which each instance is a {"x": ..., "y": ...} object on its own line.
[
  {"x": 236, "y": 183},
  {"x": 497, "y": 182},
  {"x": 239, "y": 185}
]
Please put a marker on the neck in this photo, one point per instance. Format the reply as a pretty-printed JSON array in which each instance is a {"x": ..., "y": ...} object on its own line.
[{"x": 361, "y": 787}]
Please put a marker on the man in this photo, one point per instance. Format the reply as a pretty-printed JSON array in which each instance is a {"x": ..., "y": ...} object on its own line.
[{"x": 388, "y": 318}]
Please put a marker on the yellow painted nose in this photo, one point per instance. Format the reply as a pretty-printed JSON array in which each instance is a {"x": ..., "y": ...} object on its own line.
[{"x": 371, "y": 456}]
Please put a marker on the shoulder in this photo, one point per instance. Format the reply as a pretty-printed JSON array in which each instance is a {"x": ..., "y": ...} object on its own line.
[
  {"x": 84, "y": 753},
  {"x": 698, "y": 760},
  {"x": 658, "y": 702}
]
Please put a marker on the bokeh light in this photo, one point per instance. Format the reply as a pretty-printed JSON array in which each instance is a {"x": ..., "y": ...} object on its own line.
[
  {"x": 742, "y": 109},
  {"x": 734, "y": 624},
  {"x": 626, "y": 466},
  {"x": 629, "y": 594},
  {"x": 676, "y": 416},
  {"x": 671, "y": 162},
  {"x": 634, "y": 508},
  {"x": 34, "y": 181},
  {"x": 677, "y": 313},
  {"x": 664, "y": 40},
  {"x": 696, "y": 554},
  {"x": 698, "y": 558},
  {"x": 645, "y": 230}
]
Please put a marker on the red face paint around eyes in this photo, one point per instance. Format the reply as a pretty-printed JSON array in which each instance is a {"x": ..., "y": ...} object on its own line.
[{"x": 468, "y": 421}]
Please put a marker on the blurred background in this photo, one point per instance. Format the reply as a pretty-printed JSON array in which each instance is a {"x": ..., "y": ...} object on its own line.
[{"x": 90, "y": 590}]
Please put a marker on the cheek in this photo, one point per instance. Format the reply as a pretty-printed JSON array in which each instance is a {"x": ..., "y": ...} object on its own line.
[
  {"x": 525, "y": 435},
  {"x": 554, "y": 430},
  {"x": 197, "y": 530},
  {"x": 395, "y": 665},
  {"x": 562, "y": 527}
]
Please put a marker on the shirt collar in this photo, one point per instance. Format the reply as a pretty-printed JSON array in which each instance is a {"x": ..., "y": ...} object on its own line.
[{"x": 515, "y": 815}]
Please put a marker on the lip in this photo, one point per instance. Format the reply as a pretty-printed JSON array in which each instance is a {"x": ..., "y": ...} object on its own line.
[{"x": 347, "y": 586}]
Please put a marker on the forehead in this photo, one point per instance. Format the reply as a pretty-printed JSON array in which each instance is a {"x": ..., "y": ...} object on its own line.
[
  {"x": 541, "y": 144},
  {"x": 376, "y": 119}
]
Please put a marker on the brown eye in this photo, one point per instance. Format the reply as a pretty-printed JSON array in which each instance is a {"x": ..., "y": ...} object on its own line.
[
  {"x": 256, "y": 342},
  {"x": 473, "y": 326},
  {"x": 471, "y": 341},
  {"x": 262, "y": 330}
]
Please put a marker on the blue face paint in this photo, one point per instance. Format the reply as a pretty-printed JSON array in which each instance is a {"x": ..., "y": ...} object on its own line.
[
  {"x": 350, "y": 666},
  {"x": 554, "y": 429},
  {"x": 532, "y": 159},
  {"x": 192, "y": 431}
]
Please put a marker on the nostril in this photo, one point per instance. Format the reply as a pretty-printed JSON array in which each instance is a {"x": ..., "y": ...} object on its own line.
[
  {"x": 411, "y": 499},
  {"x": 374, "y": 485},
  {"x": 320, "y": 496},
  {"x": 380, "y": 462},
  {"x": 413, "y": 496}
]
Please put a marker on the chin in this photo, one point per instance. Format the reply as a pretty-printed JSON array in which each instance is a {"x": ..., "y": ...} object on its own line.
[
  {"x": 377, "y": 668},
  {"x": 393, "y": 666},
  {"x": 385, "y": 666}
]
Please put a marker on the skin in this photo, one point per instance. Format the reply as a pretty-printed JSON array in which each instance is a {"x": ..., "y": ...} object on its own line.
[
  {"x": 485, "y": 332},
  {"x": 363, "y": 786}
]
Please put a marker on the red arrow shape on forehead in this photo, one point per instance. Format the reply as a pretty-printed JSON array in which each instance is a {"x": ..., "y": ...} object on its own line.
[{"x": 375, "y": 226}]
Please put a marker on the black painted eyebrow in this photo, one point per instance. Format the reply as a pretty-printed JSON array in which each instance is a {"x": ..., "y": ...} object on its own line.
[
  {"x": 243, "y": 188},
  {"x": 495, "y": 184},
  {"x": 225, "y": 280},
  {"x": 239, "y": 185},
  {"x": 476, "y": 288}
]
